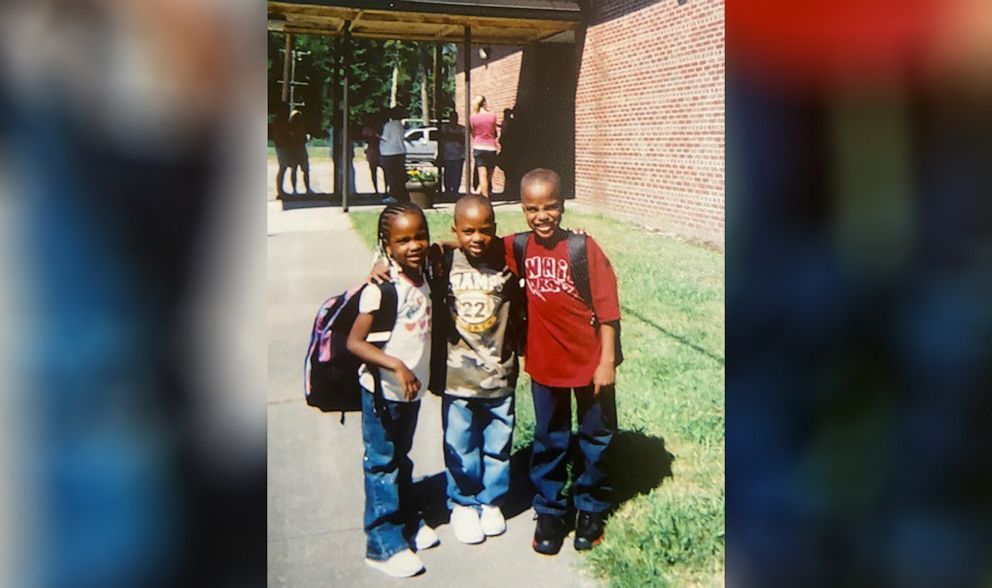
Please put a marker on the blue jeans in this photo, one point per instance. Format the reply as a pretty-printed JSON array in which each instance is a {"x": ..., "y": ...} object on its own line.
[
  {"x": 391, "y": 521},
  {"x": 453, "y": 175},
  {"x": 478, "y": 435},
  {"x": 394, "y": 166},
  {"x": 597, "y": 417}
]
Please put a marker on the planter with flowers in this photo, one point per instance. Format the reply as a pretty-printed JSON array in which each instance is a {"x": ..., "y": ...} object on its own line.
[{"x": 422, "y": 186}]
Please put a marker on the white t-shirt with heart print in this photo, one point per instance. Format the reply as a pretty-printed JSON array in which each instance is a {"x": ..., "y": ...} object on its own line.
[{"x": 410, "y": 341}]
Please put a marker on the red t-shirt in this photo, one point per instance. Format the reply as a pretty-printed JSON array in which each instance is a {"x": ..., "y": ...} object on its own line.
[{"x": 563, "y": 346}]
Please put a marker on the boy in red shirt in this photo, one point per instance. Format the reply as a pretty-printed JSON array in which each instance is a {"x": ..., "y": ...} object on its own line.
[{"x": 569, "y": 348}]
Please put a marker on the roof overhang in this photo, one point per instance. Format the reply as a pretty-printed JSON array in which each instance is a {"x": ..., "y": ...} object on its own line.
[{"x": 493, "y": 22}]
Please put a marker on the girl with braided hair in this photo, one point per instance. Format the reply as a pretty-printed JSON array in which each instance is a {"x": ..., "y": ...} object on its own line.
[{"x": 401, "y": 370}]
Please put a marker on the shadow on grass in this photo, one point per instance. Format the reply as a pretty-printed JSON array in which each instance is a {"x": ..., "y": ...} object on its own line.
[
  {"x": 639, "y": 464},
  {"x": 675, "y": 336}
]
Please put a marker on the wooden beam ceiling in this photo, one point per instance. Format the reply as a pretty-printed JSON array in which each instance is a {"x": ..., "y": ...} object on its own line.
[{"x": 415, "y": 26}]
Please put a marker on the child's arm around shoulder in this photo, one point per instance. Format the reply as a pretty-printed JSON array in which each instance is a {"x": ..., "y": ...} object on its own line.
[
  {"x": 371, "y": 354},
  {"x": 435, "y": 256}
]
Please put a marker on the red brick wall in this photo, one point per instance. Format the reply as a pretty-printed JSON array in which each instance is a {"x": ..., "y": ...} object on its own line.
[
  {"x": 496, "y": 78},
  {"x": 648, "y": 110}
]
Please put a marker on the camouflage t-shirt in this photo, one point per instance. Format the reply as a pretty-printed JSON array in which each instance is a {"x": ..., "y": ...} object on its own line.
[{"x": 481, "y": 362}]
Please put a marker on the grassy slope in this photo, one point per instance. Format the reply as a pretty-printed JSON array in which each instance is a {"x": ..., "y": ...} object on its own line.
[{"x": 668, "y": 529}]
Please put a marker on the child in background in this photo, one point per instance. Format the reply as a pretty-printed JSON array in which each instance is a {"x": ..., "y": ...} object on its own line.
[
  {"x": 281, "y": 134},
  {"x": 370, "y": 134},
  {"x": 570, "y": 348},
  {"x": 400, "y": 370},
  {"x": 481, "y": 375},
  {"x": 452, "y": 154},
  {"x": 298, "y": 149}
]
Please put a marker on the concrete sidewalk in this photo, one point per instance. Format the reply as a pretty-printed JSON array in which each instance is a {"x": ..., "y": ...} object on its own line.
[{"x": 315, "y": 497}]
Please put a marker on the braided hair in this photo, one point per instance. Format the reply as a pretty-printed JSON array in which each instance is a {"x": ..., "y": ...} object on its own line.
[{"x": 386, "y": 221}]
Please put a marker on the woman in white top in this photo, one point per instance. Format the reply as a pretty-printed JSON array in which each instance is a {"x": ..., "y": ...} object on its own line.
[{"x": 392, "y": 152}]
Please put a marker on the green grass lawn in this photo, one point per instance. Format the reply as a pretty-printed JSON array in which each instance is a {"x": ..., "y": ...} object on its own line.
[{"x": 669, "y": 478}]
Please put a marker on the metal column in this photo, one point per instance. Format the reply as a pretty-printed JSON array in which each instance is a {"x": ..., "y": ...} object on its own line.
[
  {"x": 337, "y": 49},
  {"x": 467, "y": 60},
  {"x": 437, "y": 83},
  {"x": 437, "y": 109},
  {"x": 287, "y": 57},
  {"x": 345, "y": 142}
]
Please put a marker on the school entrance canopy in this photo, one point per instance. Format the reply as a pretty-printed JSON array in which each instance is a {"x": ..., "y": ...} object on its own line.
[
  {"x": 485, "y": 22},
  {"x": 492, "y": 22}
]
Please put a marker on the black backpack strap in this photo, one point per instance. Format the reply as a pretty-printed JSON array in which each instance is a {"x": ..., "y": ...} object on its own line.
[
  {"x": 518, "y": 320},
  {"x": 383, "y": 321},
  {"x": 516, "y": 338},
  {"x": 449, "y": 259},
  {"x": 578, "y": 261},
  {"x": 442, "y": 329},
  {"x": 441, "y": 258},
  {"x": 519, "y": 251}
]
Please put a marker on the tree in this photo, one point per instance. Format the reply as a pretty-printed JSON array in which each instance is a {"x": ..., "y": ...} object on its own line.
[{"x": 374, "y": 65}]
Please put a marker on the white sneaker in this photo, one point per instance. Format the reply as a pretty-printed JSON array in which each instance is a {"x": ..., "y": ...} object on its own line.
[
  {"x": 492, "y": 520},
  {"x": 402, "y": 565},
  {"x": 465, "y": 524},
  {"x": 426, "y": 538}
]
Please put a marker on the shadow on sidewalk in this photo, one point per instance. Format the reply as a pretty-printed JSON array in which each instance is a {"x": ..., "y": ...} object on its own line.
[
  {"x": 324, "y": 200},
  {"x": 430, "y": 492},
  {"x": 521, "y": 493},
  {"x": 431, "y": 495}
]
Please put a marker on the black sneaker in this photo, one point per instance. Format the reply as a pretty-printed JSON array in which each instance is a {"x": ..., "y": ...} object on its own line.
[
  {"x": 549, "y": 534},
  {"x": 589, "y": 530}
]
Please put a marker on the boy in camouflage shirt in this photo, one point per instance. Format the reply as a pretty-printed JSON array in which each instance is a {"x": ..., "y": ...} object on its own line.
[{"x": 478, "y": 400}]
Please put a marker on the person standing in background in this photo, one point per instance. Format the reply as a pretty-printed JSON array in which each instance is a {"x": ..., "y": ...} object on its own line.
[
  {"x": 482, "y": 125},
  {"x": 452, "y": 154},
  {"x": 298, "y": 150},
  {"x": 509, "y": 156},
  {"x": 280, "y": 133},
  {"x": 370, "y": 134},
  {"x": 392, "y": 153}
]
